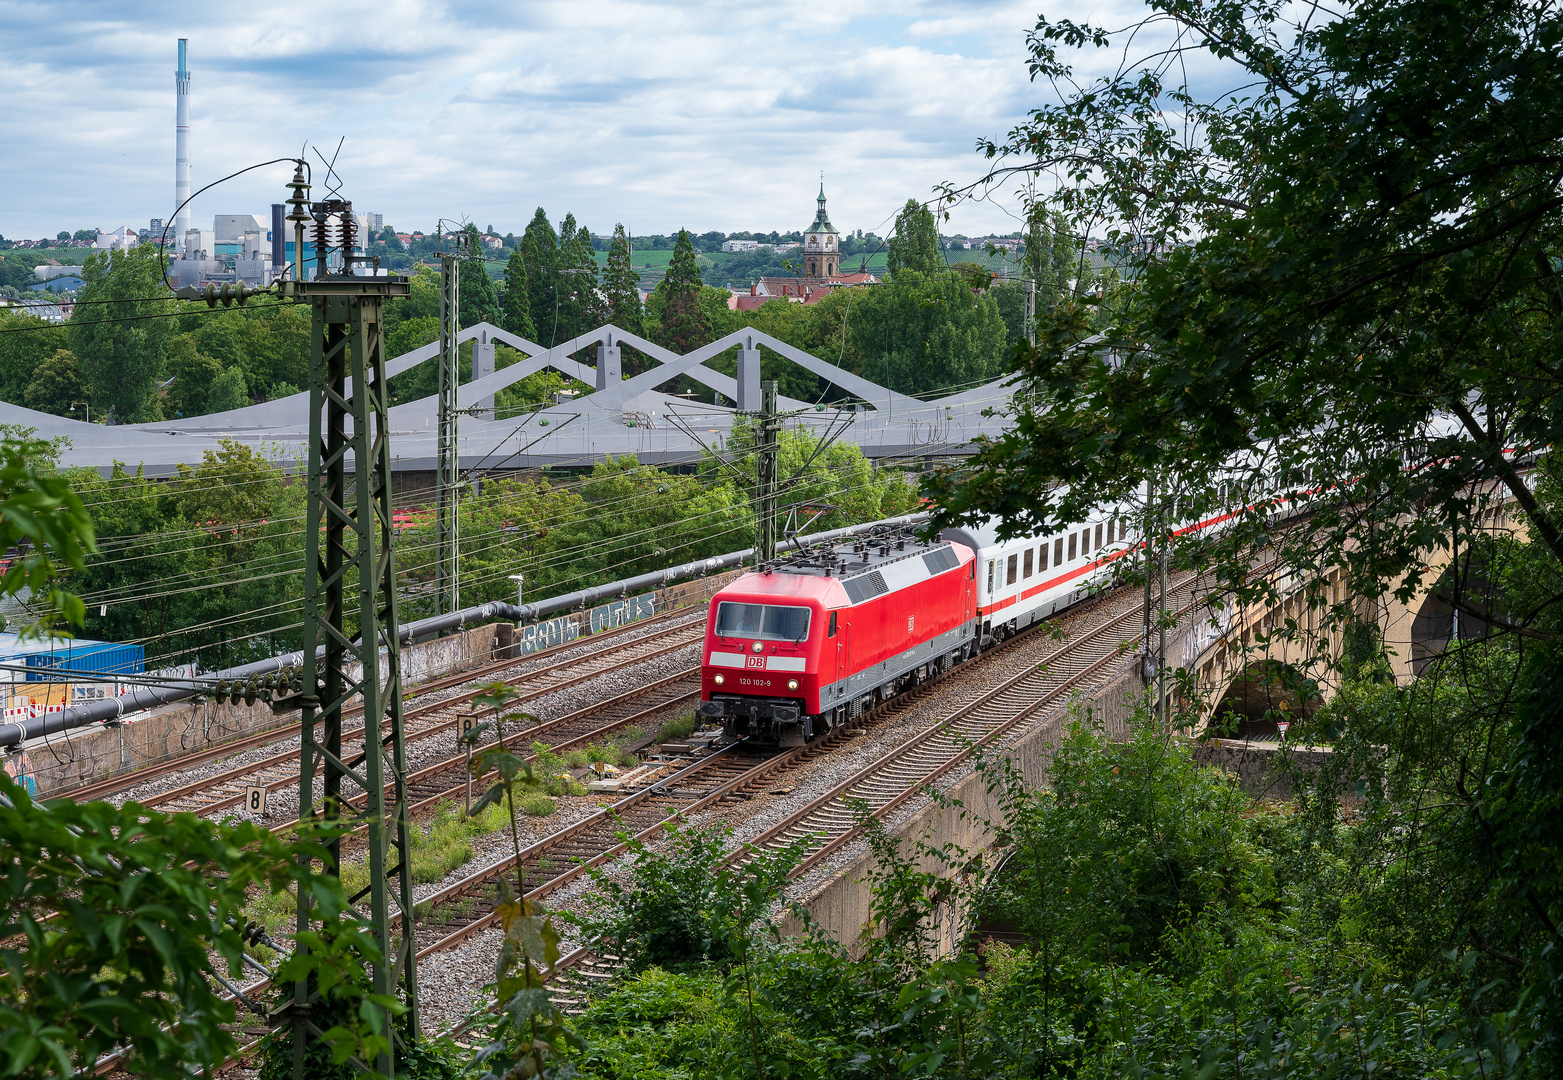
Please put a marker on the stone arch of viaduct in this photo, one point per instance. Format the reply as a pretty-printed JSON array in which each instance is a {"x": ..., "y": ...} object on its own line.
[{"x": 1229, "y": 660}]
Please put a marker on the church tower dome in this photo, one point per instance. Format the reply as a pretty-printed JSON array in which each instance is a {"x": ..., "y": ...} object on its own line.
[{"x": 821, "y": 243}]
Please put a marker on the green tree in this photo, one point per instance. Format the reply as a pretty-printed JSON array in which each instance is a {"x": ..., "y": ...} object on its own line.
[
  {"x": 412, "y": 334},
  {"x": 540, "y": 249},
  {"x": 56, "y": 385},
  {"x": 683, "y": 323},
  {"x": 44, "y": 520},
  {"x": 639, "y": 518},
  {"x": 26, "y": 342},
  {"x": 921, "y": 333},
  {"x": 580, "y": 301},
  {"x": 517, "y": 297},
  {"x": 1345, "y": 310},
  {"x": 116, "y": 334},
  {"x": 228, "y": 392},
  {"x": 479, "y": 297},
  {"x": 270, "y": 343},
  {"x": 914, "y": 245},
  {"x": 115, "y": 919},
  {"x": 422, "y": 303},
  {"x": 621, "y": 284},
  {"x": 194, "y": 373}
]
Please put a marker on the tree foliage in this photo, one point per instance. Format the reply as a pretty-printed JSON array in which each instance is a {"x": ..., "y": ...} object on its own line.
[
  {"x": 119, "y": 333},
  {"x": 56, "y": 385},
  {"x": 920, "y": 333},
  {"x": 914, "y": 245},
  {"x": 115, "y": 919},
  {"x": 621, "y": 286},
  {"x": 683, "y": 324},
  {"x": 517, "y": 299},
  {"x": 1346, "y": 284}
]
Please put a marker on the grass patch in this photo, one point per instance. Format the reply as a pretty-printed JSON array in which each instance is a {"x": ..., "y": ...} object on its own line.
[
  {"x": 446, "y": 844},
  {"x": 577, "y": 759},
  {"x": 678, "y": 728},
  {"x": 537, "y": 804},
  {"x": 550, "y": 768}
]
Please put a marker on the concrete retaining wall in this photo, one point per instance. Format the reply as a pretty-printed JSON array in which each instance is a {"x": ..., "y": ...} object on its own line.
[
  {"x": 101, "y": 751},
  {"x": 841, "y": 905}
]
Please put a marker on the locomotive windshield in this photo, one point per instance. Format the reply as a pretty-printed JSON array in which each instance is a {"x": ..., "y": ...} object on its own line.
[{"x": 770, "y": 622}]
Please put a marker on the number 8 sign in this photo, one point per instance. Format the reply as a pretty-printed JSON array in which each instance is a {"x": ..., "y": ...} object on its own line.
[{"x": 255, "y": 799}]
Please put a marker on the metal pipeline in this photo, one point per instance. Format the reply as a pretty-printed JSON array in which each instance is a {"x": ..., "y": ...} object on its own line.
[{"x": 143, "y": 698}]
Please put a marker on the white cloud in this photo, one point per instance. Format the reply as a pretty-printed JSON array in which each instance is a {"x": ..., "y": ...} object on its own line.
[{"x": 657, "y": 114}]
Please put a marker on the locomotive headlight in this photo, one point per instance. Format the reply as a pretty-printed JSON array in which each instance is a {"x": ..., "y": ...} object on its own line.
[
  {"x": 718, "y": 680},
  {"x": 792, "y": 684},
  {"x": 758, "y": 645}
]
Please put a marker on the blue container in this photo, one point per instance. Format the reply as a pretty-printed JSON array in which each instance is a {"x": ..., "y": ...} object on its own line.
[{"x": 60, "y": 661}]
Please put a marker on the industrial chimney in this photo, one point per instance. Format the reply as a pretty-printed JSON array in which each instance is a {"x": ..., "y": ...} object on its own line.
[{"x": 182, "y": 145}]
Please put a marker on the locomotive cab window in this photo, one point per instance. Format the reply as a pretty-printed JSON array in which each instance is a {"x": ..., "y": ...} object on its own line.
[
  {"x": 830, "y": 631},
  {"x": 769, "y": 622}
]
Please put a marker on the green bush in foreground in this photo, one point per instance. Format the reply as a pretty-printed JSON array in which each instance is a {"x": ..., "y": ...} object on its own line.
[{"x": 1167, "y": 927}]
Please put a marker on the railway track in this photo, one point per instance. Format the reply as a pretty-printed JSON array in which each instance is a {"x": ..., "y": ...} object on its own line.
[
  {"x": 830, "y": 822},
  {"x": 446, "y": 781},
  {"x": 455, "y": 913},
  {"x": 599, "y": 643},
  {"x": 212, "y": 794},
  {"x": 466, "y": 907},
  {"x": 833, "y": 820}
]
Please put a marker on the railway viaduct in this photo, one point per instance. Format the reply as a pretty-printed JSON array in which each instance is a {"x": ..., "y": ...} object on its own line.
[{"x": 1234, "y": 654}]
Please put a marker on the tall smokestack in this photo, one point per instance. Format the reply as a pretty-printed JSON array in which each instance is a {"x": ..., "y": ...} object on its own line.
[
  {"x": 279, "y": 236},
  {"x": 182, "y": 145}
]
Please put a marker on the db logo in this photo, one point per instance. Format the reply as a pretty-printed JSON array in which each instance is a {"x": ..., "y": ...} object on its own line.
[{"x": 754, "y": 662}]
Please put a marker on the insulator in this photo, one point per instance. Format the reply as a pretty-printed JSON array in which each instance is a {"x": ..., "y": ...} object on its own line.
[
  {"x": 251, "y": 690},
  {"x": 322, "y": 219},
  {"x": 299, "y": 201},
  {"x": 220, "y": 690},
  {"x": 349, "y": 229}
]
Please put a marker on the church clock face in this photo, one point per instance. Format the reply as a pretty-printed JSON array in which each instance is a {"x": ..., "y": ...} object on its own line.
[{"x": 830, "y": 241}]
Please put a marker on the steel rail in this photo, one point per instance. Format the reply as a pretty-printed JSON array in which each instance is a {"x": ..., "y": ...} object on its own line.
[
  {"x": 122, "y": 781},
  {"x": 610, "y": 661}
]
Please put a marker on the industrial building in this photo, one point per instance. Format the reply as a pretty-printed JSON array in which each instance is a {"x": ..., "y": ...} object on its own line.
[{"x": 37, "y": 675}]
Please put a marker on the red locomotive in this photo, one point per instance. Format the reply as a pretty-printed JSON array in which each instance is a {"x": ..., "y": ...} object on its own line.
[{"x": 804, "y": 644}]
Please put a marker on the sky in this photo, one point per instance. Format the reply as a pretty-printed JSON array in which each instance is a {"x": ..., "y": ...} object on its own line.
[{"x": 654, "y": 115}]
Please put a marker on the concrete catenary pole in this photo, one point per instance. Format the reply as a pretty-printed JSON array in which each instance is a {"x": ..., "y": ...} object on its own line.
[{"x": 181, "y": 145}]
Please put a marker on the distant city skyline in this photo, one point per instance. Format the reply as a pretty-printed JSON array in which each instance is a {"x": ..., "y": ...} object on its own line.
[{"x": 659, "y": 116}]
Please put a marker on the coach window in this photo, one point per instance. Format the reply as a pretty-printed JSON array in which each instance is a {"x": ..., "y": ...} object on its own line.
[
  {"x": 1058, "y": 552},
  {"x": 990, "y": 575},
  {"x": 1074, "y": 538},
  {"x": 1010, "y": 568},
  {"x": 830, "y": 631},
  {"x": 1098, "y": 546},
  {"x": 1027, "y": 568},
  {"x": 1042, "y": 556}
]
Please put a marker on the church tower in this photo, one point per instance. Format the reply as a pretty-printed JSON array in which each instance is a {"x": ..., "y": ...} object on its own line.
[{"x": 821, "y": 244}]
